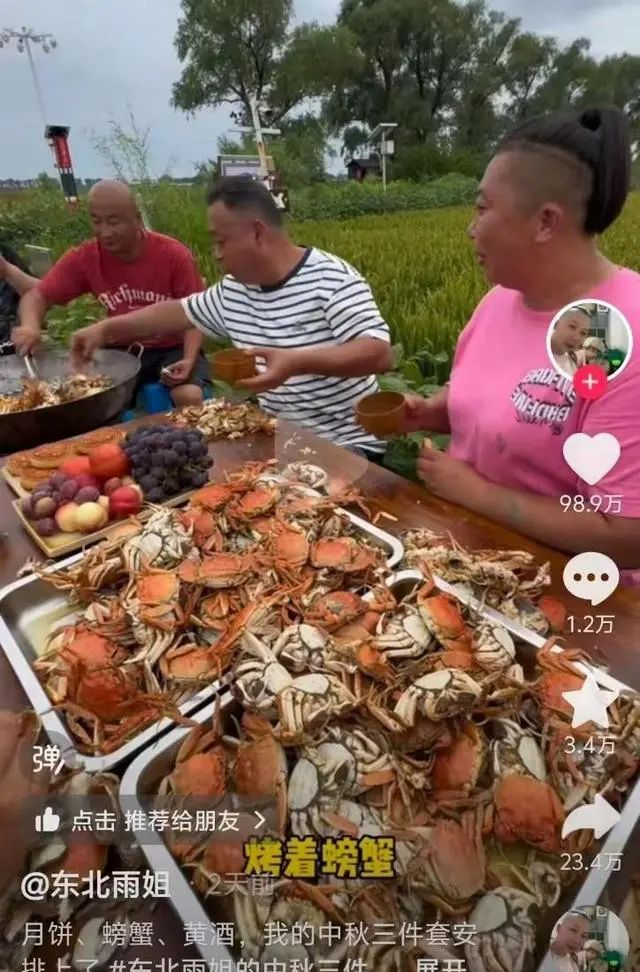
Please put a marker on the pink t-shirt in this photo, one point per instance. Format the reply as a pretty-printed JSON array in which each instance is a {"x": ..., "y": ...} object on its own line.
[{"x": 510, "y": 411}]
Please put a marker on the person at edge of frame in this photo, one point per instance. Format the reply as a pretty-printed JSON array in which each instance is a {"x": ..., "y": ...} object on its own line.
[
  {"x": 554, "y": 185},
  {"x": 125, "y": 266},
  {"x": 15, "y": 281}
]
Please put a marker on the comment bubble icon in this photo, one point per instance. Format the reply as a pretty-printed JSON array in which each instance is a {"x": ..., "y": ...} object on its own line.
[{"x": 591, "y": 577}]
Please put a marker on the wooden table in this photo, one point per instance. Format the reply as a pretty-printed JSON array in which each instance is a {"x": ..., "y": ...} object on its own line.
[{"x": 411, "y": 507}]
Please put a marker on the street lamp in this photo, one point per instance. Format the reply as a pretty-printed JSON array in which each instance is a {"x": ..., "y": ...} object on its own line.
[
  {"x": 380, "y": 137},
  {"x": 24, "y": 38}
]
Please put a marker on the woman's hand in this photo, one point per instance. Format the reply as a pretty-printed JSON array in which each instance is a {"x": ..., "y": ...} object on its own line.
[
  {"x": 416, "y": 414},
  {"x": 426, "y": 414},
  {"x": 446, "y": 477}
]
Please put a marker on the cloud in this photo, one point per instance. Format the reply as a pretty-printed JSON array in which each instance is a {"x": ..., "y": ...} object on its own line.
[
  {"x": 118, "y": 53},
  {"x": 608, "y": 24},
  {"x": 109, "y": 56}
]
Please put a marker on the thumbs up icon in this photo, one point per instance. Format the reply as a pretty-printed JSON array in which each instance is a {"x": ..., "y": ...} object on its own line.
[{"x": 48, "y": 822}]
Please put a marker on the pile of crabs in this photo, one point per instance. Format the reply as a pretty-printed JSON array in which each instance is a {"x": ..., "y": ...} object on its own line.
[
  {"x": 162, "y": 602},
  {"x": 222, "y": 419},
  {"x": 358, "y": 707},
  {"x": 414, "y": 721}
]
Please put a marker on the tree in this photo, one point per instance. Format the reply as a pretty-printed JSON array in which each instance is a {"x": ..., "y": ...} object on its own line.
[
  {"x": 235, "y": 49},
  {"x": 616, "y": 81},
  {"x": 527, "y": 69},
  {"x": 475, "y": 121},
  {"x": 455, "y": 77},
  {"x": 419, "y": 62},
  {"x": 571, "y": 72}
]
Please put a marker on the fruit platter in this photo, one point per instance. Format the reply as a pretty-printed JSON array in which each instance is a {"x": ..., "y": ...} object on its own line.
[{"x": 80, "y": 490}]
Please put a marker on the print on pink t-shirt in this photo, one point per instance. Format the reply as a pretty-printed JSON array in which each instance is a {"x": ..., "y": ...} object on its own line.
[{"x": 511, "y": 412}]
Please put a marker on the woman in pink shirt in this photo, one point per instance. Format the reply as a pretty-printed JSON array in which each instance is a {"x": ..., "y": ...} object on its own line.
[{"x": 553, "y": 186}]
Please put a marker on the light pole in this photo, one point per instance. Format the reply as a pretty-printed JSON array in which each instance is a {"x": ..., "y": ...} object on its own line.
[
  {"x": 256, "y": 129},
  {"x": 380, "y": 137},
  {"x": 24, "y": 38}
]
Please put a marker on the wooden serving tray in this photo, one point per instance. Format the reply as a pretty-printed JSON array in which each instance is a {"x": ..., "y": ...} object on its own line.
[
  {"x": 61, "y": 544},
  {"x": 15, "y": 483}
]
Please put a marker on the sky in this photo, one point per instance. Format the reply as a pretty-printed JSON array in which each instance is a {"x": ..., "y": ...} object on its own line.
[{"x": 113, "y": 57}]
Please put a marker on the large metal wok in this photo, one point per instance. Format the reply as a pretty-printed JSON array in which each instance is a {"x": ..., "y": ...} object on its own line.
[{"x": 23, "y": 430}]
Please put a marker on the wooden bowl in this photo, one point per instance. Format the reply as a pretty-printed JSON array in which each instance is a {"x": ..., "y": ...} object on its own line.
[
  {"x": 381, "y": 414},
  {"x": 232, "y": 365}
]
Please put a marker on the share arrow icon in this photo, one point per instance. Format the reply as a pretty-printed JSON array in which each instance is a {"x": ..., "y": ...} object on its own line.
[{"x": 598, "y": 816}]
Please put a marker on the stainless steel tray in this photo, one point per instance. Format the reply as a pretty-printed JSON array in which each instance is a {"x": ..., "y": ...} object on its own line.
[
  {"x": 378, "y": 537},
  {"x": 405, "y": 580},
  {"x": 139, "y": 784},
  {"x": 29, "y": 608},
  {"x": 619, "y": 837},
  {"x": 141, "y": 779}
]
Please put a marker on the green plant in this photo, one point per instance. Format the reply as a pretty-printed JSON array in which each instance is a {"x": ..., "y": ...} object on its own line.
[
  {"x": 63, "y": 321},
  {"x": 422, "y": 373}
]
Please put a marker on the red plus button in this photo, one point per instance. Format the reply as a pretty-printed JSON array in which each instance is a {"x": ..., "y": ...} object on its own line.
[{"x": 590, "y": 382}]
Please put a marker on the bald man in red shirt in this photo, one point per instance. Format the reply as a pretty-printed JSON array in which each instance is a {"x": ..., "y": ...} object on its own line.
[{"x": 126, "y": 268}]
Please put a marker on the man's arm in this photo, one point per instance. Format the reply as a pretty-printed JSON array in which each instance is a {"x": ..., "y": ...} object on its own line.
[
  {"x": 361, "y": 356},
  {"x": 192, "y": 345},
  {"x": 154, "y": 321},
  {"x": 364, "y": 356},
  {"x": 63, "y": 283},
  {"x": 31, "y": 314},
  {"x": 185, "y": 281},
  {"x": 362, "y": 334},
  {"x": 203, "y": 310},
  {"x": 21, "y": 282}
]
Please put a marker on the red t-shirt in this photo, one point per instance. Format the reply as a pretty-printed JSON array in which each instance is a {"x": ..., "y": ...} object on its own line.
[{"x": 165, "y": 270}]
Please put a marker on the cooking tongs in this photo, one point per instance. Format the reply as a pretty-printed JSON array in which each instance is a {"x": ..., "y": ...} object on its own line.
[{"x": 30, "y": 365}]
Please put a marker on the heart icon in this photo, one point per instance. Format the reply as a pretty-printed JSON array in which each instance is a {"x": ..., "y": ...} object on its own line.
[{"x": 591, "y": 456}]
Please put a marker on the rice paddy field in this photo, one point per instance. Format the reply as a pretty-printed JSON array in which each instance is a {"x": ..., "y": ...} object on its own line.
[{"x": 420, "y": 264}]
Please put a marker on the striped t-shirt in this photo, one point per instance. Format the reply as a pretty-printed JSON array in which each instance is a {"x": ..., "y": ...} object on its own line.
[{"x": 323, "y": 301}]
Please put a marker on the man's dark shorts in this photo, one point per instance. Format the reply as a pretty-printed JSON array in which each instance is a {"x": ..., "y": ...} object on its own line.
[{"x": 153, "y": 360}]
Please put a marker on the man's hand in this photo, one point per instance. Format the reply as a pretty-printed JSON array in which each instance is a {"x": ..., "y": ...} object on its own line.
[
  {"x": 448, "y": 478},
  {"x": 26, "y": 338},
  {"x": 281, "y": 365},
  {"x": 18, "y": 785},
  {"x": 178, "y": 373},
  {"x": 86, "y": 341}
]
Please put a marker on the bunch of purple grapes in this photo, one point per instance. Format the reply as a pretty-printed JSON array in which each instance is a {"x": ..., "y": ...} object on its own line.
[{"x": 167, "y": 460}]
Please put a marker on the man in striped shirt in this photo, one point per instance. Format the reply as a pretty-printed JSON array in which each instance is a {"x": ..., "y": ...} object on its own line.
[{"x": 311, "y": 319}]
